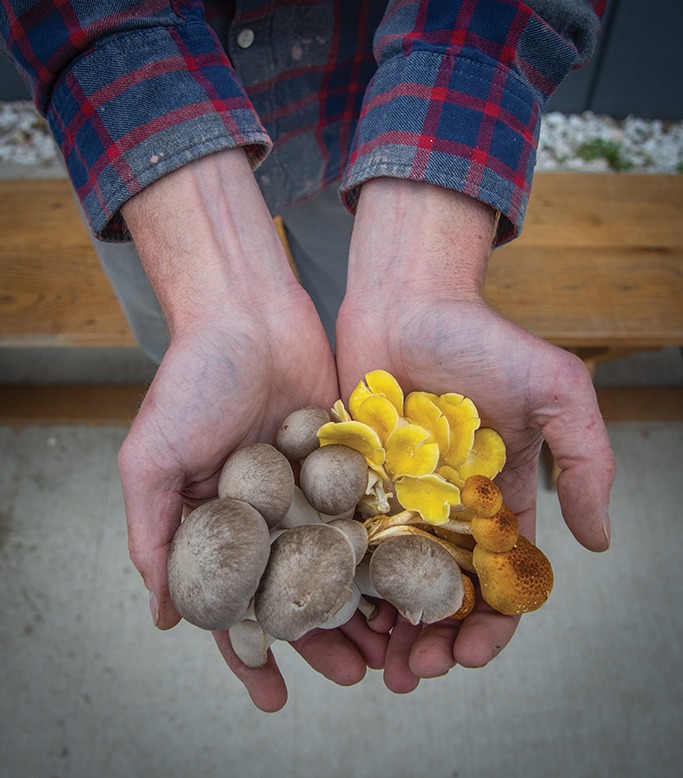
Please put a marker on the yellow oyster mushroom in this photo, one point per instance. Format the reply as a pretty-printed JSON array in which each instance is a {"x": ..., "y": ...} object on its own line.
[
  {"x": 486, "y": 457},
  {"x": 354, "y": 435},
  {"x": 420, "y": 408},
  {"x": 377, "y": 382},
  {"x": 358, "y": 396},
  {"x": 463, "y": 419},
  {"x": 379, "y": 413},
  {"x": 450, "y": 474},
  {"x": 339, "y": 412},
  {"x": 429, "y": 495},
  {"x": 411, "y": 450},
  {"x": 383, "y": 383}
]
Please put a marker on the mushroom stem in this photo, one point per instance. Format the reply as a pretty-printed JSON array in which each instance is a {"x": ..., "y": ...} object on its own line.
[
  {"x": 362, "y": 578},
  {"x": 300, "y": 512},
  {"x": 379, "y": 523},
  {"x": 367, "y": 608}
]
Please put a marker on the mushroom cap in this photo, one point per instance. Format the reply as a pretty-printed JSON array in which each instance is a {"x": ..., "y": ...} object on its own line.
[
  {"x": 355, "y": 532},
  {"x": 298, "y": 435},
  {"x": 499, "y": 533},
  {"x": 480, "y": 495},
  {"x": 307, "y": 580},
  {"x": 250, "y": 642},
  {"x": 215, "y": 563},
  {"x": 334, "y": 478},
  {"x": 262, "y": 476},
  {"x": 418, "y": 577},
  {"x": 516, "y": 581}
]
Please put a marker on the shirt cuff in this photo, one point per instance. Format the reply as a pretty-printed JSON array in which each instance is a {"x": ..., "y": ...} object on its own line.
[
  {"x": 462, "y": 123},
  {"x": 141, "y": 104}
]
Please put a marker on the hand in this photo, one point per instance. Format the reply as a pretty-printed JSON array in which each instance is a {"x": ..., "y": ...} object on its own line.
[
  {"x": 414, "y": 307},
  {"x": 246, "y": 349}
]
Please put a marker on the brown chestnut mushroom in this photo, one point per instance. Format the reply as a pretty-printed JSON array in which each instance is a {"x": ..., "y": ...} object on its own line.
[{"x": 516, "y": 581}]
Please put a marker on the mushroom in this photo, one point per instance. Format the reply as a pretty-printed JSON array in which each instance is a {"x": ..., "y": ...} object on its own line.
[
  {"x": 499, "y": 533},
  {"x": 356, "y": 533},
  {"x": 468, "y": 600},
  {"x": 355, "y": 602},
  {"x": 217, "y": 557},
  {"x": 516, "y": 581},
  {"x": 249, "y": 641},
  {"x": 260, "y": 475},
  {"x": 333, "y": 478},
  {"x": 298, "y": 435},
  {"x": 418, "y": 577},
  {"x": 306, "y": 581},
  {"x": 480, "y": 495},
  {"x": 300, "y": 512}
]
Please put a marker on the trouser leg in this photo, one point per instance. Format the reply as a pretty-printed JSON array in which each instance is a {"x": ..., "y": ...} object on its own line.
[
  {"x": 123, "y": 268},
  {"x": 318, "y": 233}
]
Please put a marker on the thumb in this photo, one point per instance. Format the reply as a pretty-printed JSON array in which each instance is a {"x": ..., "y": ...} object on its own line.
[{"x": 577, "y": 437}]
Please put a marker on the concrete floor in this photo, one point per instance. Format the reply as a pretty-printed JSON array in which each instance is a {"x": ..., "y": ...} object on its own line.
[{"x": 590, "y": 686}]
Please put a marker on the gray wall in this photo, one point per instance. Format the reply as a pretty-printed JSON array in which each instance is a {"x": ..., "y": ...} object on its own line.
[{"x": 637, "y": 68}]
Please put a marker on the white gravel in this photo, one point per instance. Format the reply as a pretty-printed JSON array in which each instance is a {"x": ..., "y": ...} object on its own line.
[{"x": 636, "y": 145}]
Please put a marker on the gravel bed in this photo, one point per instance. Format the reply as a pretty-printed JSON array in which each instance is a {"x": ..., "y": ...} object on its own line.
[{"x": 583, "y": 142}]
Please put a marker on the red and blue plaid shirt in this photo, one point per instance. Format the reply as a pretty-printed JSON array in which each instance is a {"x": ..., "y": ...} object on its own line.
[{"x": 315, "y": 91}]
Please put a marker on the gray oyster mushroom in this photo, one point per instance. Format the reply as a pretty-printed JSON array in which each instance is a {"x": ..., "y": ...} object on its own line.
[
  {"x": 297, "y": 436},
  {"x": 262, "y": 476},
  {"x": 307, "y": 580},
  {"x": 418, "y": 577},
  {"x": 334, "y": 478},
  {"x": 216, "y": 561}
]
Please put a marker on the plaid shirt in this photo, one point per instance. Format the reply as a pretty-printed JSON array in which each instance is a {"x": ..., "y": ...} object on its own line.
[{"x": 315, "y": 91}]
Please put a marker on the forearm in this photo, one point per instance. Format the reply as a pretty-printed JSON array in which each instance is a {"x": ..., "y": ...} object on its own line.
[
  {"x": 419, "y": 240},
  {"x": 207, "y": 242}
]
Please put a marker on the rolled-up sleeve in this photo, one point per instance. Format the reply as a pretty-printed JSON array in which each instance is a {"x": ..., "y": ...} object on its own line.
[
  {"x": 458, "y": 94},
  {"x": 131, "y": 91}
]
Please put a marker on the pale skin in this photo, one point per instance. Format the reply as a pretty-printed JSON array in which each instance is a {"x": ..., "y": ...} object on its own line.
[{"x": 247, "y": 347}]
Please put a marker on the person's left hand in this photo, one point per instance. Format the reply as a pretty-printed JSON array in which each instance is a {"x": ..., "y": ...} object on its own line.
[{"x": 414, "y": 307}]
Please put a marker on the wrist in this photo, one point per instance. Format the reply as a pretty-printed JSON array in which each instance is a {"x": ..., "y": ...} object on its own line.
[
  {"x": 422, "y": 239},
  {"x": 207, "y": 242}
]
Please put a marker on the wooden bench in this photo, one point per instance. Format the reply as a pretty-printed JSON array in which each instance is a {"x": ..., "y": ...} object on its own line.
[{"x": 598, "y": 270}]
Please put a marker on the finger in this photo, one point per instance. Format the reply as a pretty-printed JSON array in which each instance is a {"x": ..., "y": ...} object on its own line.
[
  {"x": 333, "y": 655},
  {"x": 579, "y": 442},
  {"x": 153, "y": 512},
  {"x": 398, "y": 677},
  {"x": 483, "y": 635},
  {"x": 265, "y": 685},
  {"x": 371, "y": 645},
  {"x": 432, "y": 653}
]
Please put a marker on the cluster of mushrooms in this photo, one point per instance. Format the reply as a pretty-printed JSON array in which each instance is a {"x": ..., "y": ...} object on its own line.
[{"x": 395, "y": 500}]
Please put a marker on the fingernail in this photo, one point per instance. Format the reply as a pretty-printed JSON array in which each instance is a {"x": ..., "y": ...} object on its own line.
[
  {"x": 606, "y": 528},
  {"x": 154, "y": 608}
]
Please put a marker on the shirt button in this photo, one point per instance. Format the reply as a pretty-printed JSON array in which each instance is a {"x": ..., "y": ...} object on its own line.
[{"x": 245, "y": 38}]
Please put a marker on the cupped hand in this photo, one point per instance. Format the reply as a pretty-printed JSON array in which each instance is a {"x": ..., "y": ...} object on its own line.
[
  {"x": 414, "y": 307},
  {"x": 247, "y": 348}
]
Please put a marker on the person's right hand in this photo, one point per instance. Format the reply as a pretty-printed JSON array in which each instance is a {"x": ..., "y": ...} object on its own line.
[{"x": 247, "y": 348}]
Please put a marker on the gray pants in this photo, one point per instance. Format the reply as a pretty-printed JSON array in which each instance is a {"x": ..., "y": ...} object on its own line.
[{"x": 318, "y": 233}]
